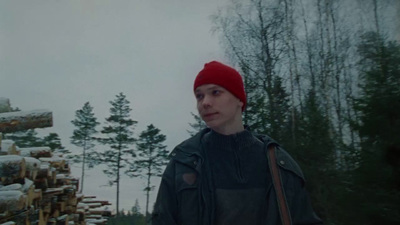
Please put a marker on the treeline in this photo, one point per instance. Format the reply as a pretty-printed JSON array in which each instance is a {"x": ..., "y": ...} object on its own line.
[
  {"x": 323, "y": 79},
  {"x": 121, "y": 152},
  {"x": 133, "y": 217}
]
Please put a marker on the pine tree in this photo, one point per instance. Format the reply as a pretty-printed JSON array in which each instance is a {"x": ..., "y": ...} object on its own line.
[
  {"x": 378, "y": 172},
  {"x": 197, "y": 126},
  {"x": 53, "y": 141},
  {"x": 83, "y": 136},
  {"x": 119, "y": 130},
  {"x": 25, "y": 139},
  {"x": 314, "y": 151},
  {"x": 153, "y": 157},
  {"x": 136, "y": 208}
]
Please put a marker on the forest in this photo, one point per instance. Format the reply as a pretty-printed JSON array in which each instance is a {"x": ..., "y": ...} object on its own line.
[{"x": 323, "y": 78}]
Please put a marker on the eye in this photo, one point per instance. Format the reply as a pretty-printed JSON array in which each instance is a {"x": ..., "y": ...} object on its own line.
[
  {"x": 216, "y": 92},
  {"x": 199, "y": 96}
]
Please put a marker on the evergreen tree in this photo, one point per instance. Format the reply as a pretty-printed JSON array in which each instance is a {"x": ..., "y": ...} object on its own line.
[
  {"x": 25, "y": 139},
  {"x": 128, "y": 218},
  {"x": 85, "y": 123},
  {"x": 197, "y": 126},
  {"x": 136, "y": 208},
  {"x": 153, "y": 157},
  {"x": 53, "y": 141},
  {"x": 314, "y": 151},
  {"x": 119, "y": 131},
  {"x": 378, "y": 171}
]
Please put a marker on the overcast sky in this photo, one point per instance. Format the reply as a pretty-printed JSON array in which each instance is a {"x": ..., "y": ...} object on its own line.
[{"x": 57, "y": 55}]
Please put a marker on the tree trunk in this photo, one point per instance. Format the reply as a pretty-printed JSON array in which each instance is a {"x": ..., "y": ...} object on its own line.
[
  {"x": 148, "y": 193},
  {"x": 83, "y": 165},
  {"x": 24, "y": 120},
  {"x": 118, "y": 176}
]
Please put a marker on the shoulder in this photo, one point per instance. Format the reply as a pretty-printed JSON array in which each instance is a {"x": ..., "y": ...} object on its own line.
[
  {"x": 284, "y": 160},
  {"x": 189, "y": 149},
  {"x": 192, "y": 144}
]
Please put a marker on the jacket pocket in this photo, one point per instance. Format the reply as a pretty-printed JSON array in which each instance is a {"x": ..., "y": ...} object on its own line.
[{"x": 188, "y": 195}]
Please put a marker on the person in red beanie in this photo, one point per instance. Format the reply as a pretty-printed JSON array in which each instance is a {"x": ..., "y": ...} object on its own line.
[{"x": 226, "y": 174}]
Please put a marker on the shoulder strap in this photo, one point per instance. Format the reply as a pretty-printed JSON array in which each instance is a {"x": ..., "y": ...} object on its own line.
[{"x": 276, "y": 180}]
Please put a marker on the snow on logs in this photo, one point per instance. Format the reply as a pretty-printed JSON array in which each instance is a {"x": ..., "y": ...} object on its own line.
[
  {"x": 8, "y": 147},
  {"x": 5, "y": 105},
  {"x": 24, "y": 120},
  {"x": 36, "y": 152},
  {"x": 35, "y": 183},
  {"x": 12, "y": 200},
  {"x": 12, "y": 168}
]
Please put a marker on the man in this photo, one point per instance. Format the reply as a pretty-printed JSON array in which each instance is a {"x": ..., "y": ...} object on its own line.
[{"x": 225, "y": 174}]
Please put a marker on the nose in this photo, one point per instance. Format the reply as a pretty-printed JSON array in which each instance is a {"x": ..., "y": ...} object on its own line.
[{"x": 207, "y": 101}]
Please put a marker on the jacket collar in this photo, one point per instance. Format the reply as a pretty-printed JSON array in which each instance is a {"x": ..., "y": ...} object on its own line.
[{"x": 190, "y": 153}]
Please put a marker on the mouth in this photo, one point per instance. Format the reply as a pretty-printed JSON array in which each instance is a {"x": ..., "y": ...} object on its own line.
[{"x": 208, "y": 115}]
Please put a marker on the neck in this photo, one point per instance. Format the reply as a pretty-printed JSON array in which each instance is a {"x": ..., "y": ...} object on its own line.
[{"x": 230, "y": 130}]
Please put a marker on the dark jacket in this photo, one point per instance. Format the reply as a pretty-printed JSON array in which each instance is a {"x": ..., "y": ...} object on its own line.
[{"x": 186, "y": 197}]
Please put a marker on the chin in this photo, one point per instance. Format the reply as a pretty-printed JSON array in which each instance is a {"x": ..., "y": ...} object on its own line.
[{"x": 213, "y": 125}]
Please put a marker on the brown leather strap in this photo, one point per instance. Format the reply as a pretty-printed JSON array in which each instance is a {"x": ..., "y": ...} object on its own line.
[{"x": 276, "y": 180}]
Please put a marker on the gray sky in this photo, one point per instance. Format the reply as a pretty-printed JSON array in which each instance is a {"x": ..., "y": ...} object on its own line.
[{"x": 57, "y": 55}]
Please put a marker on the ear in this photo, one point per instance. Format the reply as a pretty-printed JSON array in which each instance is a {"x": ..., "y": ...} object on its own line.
[{"x": 241, "y": 103}]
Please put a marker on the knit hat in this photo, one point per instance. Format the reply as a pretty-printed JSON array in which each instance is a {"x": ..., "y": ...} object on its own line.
[{"x": 217, "y": 73}]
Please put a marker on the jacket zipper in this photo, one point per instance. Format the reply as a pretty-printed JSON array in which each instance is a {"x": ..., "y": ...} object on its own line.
[{"x": 239, "y": 171}]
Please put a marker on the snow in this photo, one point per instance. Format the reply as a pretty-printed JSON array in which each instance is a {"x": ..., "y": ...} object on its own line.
[
  {"x": 93, "y": 205},
  {"x": 95, "y": 221},
  {"x": 28, "y": 151},
  {"x": 8, "y": 223},
  {"x": 63, "y": 217},
  {"x": 28, "y": 184},
  {"x": 32, "y": 163},
  {"x": 6, "y": 145},
  {"x": 82, "y": 205},
  {"x": 60, "y": 176},
  {"x": 11, "y": 187},
  {"x": 32, "y": 113},
  {"x": 92, "y": 216},
  {"x": 10, "y": 195},
  {"x": 80, "y": 210},
  {"x": 44, "y": 165},
  {"x": 11, "y": 158},
  {"x": 52, "y": 159},
  {"x": 52, "y": 190},
  {"x": 79, "y": 195}
]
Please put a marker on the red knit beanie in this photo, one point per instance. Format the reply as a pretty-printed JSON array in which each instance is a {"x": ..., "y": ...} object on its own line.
[{"x": 217, "y": 73}]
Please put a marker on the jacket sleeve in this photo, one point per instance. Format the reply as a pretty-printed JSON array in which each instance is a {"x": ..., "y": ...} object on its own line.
[
  {"x": 301, "y": 209},
  {"x": 165, "y": 209}
]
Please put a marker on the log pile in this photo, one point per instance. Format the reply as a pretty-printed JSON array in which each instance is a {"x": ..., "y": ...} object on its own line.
[
  {"x": 93, "y": 210},
  {"x": 36, "y": 186}
]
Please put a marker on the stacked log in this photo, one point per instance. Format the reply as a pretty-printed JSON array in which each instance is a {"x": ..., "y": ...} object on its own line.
[
  {"x": 36, "y": 186},
  {"x": 12, "y": 168},
  {"x": 94, "y": 211},
  {"x": 24, "y": 120}
]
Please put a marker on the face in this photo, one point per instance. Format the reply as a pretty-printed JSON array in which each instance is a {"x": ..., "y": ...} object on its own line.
[{"x": 219, "y": 109}]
